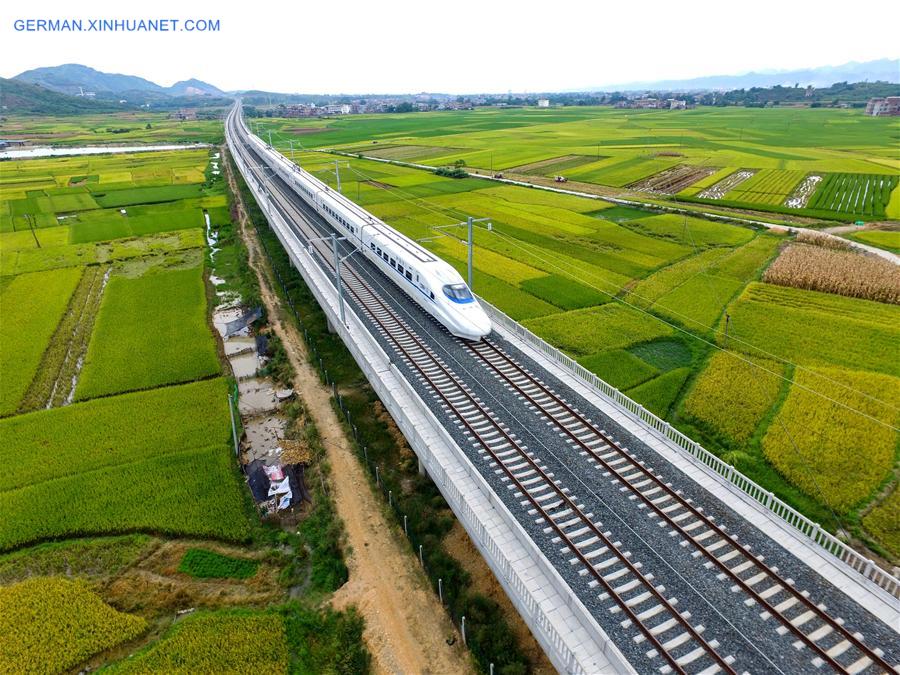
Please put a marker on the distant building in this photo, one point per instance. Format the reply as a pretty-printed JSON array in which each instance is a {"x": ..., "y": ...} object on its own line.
[
  {"x": 647, "y": 103},
  {"x": 676, "y": 104},
  {"x": 883, "y": 107},
  {"x": 184, "y": 114},
  {"x": 543, "y": 103}
]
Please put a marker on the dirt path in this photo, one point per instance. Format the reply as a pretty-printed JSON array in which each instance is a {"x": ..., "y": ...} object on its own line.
[{"x": 406, "y": 629}]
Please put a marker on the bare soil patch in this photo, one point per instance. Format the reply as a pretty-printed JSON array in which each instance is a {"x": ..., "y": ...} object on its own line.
[
  {"x": 673, "y": 180},
  {"x": 555, "y": 164}
]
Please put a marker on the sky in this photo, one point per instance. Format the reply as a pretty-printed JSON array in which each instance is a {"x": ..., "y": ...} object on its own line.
[{"x": 465, "y": 46}]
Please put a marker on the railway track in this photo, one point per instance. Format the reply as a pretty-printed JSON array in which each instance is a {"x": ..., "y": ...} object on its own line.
[
  {"x": 671, "y": 638},
  {"x": 776, "y": 598},
  {"x": 672, "y": 643}
]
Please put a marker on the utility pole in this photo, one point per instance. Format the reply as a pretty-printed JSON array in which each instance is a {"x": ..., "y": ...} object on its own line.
[
  {"x": 727, "y": 321},
  {"x": 470, "y": 225},
  {"x": 270, "y": 138},
  {"x": 291, "y": 141},
  {"x": 337, "y": 275},
  {"x": 337, "y": 172},
  {"x": 470, "y": 238}
]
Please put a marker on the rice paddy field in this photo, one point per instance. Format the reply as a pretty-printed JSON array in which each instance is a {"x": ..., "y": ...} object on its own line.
[
  {"x": 103, "y": 292},
  {"x": 673, "y": 154},
  {"x": 122, "y": 503},
  {"x": 119, "y": 128},
  {"x": 672, "y": 311}
]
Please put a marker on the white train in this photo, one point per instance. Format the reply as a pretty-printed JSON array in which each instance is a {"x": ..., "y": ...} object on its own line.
[{"x": 426, "y": 279}]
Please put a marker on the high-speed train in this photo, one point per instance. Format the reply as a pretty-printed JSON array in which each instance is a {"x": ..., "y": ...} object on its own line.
[{"x": 428, "y": 280}]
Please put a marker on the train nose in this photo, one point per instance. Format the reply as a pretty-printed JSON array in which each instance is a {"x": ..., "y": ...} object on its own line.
[{"x": 483, "y": 324}]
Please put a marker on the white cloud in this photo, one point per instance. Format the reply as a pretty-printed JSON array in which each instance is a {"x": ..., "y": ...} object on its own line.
[{"x": 463, "y": 46}]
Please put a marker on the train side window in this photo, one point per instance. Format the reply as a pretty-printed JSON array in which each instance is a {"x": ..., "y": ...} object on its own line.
[
  {"x": 400, "y": 268},
  {"x": 372, "y": 246},
  {"x": 385, "y": 256},
  {"x": 377, "y": 250},
  {"x": 393, "y": 263},
  {"x": 409, "y": 275},
  {"x": 432, "y": 295}
]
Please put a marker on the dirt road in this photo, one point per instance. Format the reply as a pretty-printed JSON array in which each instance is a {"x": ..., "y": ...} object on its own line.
[{"x": 406, "y": 628}]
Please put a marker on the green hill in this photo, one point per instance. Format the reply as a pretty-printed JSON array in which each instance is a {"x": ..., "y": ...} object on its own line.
[{"x": 21, "y": 97}]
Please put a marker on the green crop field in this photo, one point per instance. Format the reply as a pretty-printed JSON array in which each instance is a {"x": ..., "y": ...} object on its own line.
[
  {"x": 561, "y": 263},
  {"x": 863, "y": 194},
  {"x": 888, "y": 240},
  {"x": 616, "y": 148},
  {"x": 193, "y": 493},
  {"x": 151, "y": 330},
  {"x": 139, "y": 128},
  {"x": 31, "y": 305},
  {"x": 107, "y": 431},
  {"x": 817, "y": 329},
  {"x": 155, "y": 460}
]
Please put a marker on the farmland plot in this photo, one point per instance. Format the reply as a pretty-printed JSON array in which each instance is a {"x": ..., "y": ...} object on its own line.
[
  {"x": 32, "y": 306},
  {"x": 727, "y": 184},
  {"x": 611, "y": 326},
  {"x": 768, "y": 186},
  {"x": 108, "y": 431},
  {"x": 864, "y": 194},
  {"x": 673, "y": 180},
  {"x": 555, "y": 165},
  {"x": 812, "y": 328},
  {"x": 233, "y": 641},
  {"x": 833, "y": 271},
  {"x": 192, "y": 493},
  {"x": 151, "y": 330},
  {"x": 800, "y": 197},
  {"x": 808, "y": 442},
  {"x": 52, "y": 624},
  {"x": 732, "y": 396}
]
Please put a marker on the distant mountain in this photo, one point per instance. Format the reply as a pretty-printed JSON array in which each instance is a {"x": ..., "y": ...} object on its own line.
[
  {"x": 194, "y": 87},
  {"x": 71, "y": 78},
  {"x": 22, "y": 97},
  {"x": 885, "y": 70}
]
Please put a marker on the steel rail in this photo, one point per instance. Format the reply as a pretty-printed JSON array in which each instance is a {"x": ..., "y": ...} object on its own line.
[{"x": 705, "y": 520}]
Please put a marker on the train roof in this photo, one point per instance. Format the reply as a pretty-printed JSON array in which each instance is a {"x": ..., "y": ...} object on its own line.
[{"x": 378, "y": 226}]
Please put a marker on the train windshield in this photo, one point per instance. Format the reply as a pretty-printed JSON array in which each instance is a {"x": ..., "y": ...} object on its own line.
[{"x": 458, "y": 293}]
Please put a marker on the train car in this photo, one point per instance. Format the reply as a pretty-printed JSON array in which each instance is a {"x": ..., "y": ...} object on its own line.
[{"x": 426, "y": 279}]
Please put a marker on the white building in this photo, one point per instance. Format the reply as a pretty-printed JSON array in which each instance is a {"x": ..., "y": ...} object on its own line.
[{"x": 543, "y": 103}]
